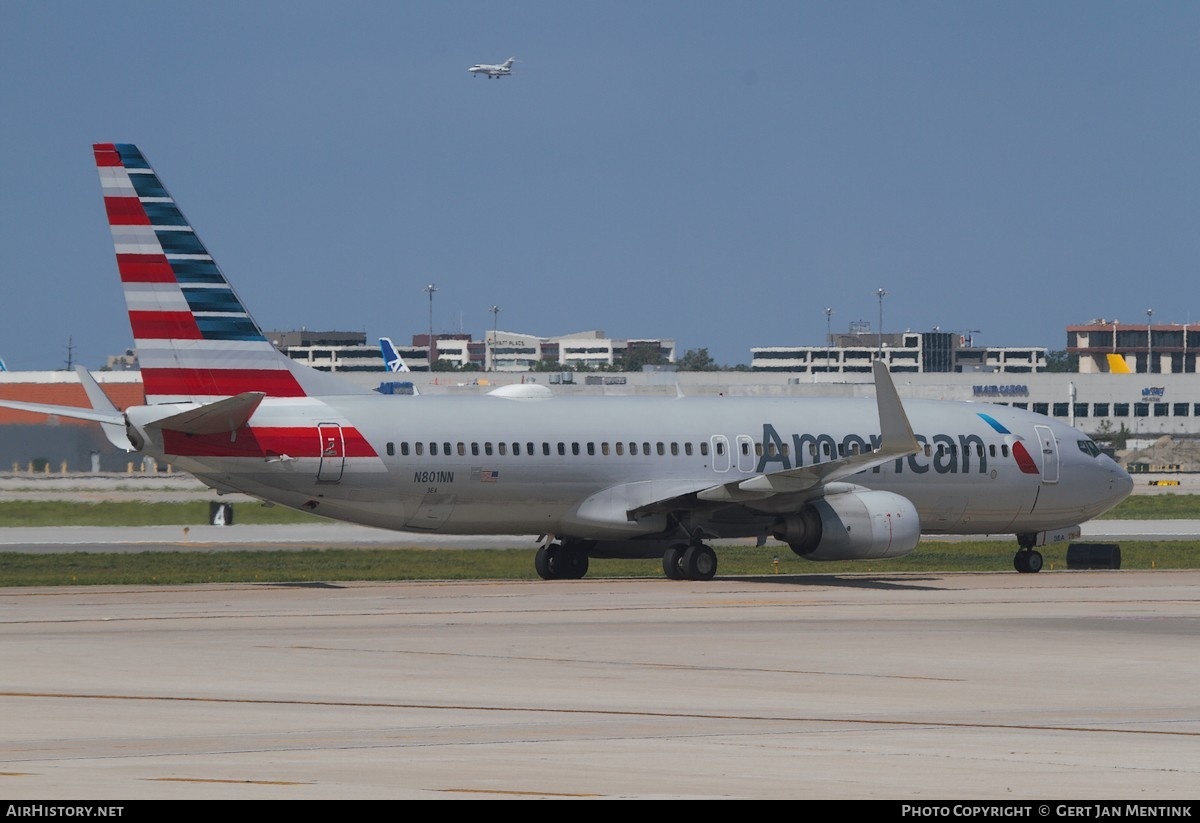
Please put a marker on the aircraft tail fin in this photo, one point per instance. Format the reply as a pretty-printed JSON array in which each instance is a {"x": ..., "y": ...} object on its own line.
[
  {"x": 392, "y": 360},
  {"x": 1117, "y": 365},
  {"x": 195, "y": 340}
]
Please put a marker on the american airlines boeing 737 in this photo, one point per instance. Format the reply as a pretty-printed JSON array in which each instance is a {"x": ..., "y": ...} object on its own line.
[{"x": 835, "y": 479}]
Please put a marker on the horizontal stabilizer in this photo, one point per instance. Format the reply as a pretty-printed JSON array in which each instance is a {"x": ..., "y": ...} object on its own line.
[{"x": 225, "y": 415}]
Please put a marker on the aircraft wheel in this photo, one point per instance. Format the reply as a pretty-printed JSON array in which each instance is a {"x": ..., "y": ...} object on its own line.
[
  {"x": 699, "y": 562},
  {"x": 673, "y": 562},
  {"x": 1028, "y": 561},
  {"x": 571, "y": 563},
  {"x": 543, "y": 561}
]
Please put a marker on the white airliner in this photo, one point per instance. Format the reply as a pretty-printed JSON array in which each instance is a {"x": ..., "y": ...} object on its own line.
[
  {"x": 835, "y": 479},
  {"x": 490, "y": 70}
]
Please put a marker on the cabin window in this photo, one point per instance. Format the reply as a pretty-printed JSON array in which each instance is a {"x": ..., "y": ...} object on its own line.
[
  {"x": 446, "y": 449},
  {"x": 604, "y": 449},
  {"x": 620, "y": 448},
  {"x": 562, "y": 449},
  {"x": 433, "y": 449},
  {"x": 645, "y": 448},
  {"x": 391, "y": 449},
  {"x": 516, "y": 448},
  {"x": 502, "y": 447},
  {"x": 591, "y": 449},
  {"x": 404, "y": 448},
  {"x": 487, "y": 448},
  {"x": 475, "y": 449},
  {"x": 529, "y": 449},
  {"x": 462, "y": 449},
  {"x": 991, "y": 450},
  {"x": 1004, "y": 450},
  {"x": 661, "y": 449},
  {"x": 758, "y": 451},
  {"x": 575, "y": 448},
  {"x": 420, "y": 447},
  {"x": 928, "y": 450},
  {"x": 687, "y": 448},
  {"x": 674, "y": 449},
  {"x": 545, "y": 448},
  {"x": 704, "y": 449},
  {"x": 633, "y": 448},
  {"x": 720, "y": 447}
]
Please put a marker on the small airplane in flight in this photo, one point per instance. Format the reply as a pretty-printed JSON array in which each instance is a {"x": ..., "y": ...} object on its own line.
[
  {"x": 392, "y": 360},
  {"x": 651, "y": 477},
  {"x": 490, "y": 70}
]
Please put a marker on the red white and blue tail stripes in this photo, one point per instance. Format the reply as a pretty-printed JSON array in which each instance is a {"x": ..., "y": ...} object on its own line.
[{"x": 195, "y": 340}]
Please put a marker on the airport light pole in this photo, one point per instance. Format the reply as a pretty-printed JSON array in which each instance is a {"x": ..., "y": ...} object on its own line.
[
  {"x": 828, "y": 337},
  {"x": 495, "y": 310},
  {"x": 430, "y": 289},
  {"x": 881, "y": 293},
  {"x": 1149, "y": 343}
]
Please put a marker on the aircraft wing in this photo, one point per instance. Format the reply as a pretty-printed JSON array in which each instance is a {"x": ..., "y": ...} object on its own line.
[{"x": 809, "y": 481}]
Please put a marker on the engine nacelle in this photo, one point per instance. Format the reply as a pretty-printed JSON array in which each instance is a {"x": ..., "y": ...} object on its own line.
[{"x": 866, "y": 525}]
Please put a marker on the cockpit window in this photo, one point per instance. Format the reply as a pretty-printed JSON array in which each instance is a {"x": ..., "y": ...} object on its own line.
[{"x": 1088, "y": 447}]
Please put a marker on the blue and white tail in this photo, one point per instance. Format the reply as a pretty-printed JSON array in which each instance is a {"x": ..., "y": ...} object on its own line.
[
  {"x": 392, "y": 360},
  {"x": 195, "y": 340}
]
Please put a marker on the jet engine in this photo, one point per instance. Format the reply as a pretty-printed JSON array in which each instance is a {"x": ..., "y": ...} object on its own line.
[{"x": 859, "y": 525}]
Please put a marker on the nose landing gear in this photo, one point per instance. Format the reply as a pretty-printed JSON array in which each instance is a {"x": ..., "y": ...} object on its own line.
[{"x": 1027, "y": 560}]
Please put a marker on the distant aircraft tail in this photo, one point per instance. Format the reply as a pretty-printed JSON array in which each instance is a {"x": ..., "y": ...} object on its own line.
[
  {"x": 195, "y": 340},
  {"x": 508, "y": 64},
  {"x": 391, "y": 358},
  {"x": 1117, "y": 365}
]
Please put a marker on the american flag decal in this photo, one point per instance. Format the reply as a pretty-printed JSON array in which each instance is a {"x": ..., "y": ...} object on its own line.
[{"x": 489, "y": 476}]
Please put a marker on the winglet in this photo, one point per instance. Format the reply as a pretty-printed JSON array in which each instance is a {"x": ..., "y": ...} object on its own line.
[
  {"x": 897, "y": 435},
  {"x": 115, "y": 432}
]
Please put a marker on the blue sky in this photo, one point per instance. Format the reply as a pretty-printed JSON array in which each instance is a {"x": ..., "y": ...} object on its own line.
[{"x": 715, "y": 172}]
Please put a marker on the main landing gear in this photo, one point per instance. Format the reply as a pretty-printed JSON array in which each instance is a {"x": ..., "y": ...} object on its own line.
[
  {"x": 1027, "y": 560},
  {"x": 561, "y": 561},
  {"x": 696, "y": 561}
]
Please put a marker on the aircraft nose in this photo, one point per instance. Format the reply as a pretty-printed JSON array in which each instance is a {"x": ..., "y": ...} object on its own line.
[{"x": 1123, "y": 483}]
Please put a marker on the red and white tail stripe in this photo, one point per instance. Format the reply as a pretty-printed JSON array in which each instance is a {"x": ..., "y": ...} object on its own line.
[{"x": 195, "y": 340}]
